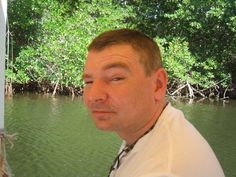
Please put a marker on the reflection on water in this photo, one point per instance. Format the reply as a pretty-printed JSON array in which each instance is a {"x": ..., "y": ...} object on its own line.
[{"x": 57, "y": 139}]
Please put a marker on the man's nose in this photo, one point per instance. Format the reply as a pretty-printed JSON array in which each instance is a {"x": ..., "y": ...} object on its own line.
[{"x": 97, "y": 92}]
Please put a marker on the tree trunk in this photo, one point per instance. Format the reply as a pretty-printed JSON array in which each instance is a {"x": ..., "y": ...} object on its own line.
[
  {"x": 232, "y": 93},
  {"x": 55, "y": 89}
]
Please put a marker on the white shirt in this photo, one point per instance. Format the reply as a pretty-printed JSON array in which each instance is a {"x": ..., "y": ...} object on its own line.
[{"x": 174, "y": 148}]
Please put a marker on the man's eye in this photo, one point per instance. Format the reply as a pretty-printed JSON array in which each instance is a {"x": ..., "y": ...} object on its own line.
[
  {"x": 118, "y": 78},
  {"x": 88, "y": 82}
]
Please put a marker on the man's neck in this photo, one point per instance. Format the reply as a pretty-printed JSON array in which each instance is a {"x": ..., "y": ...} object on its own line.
[{"x": 132, "y": 137}]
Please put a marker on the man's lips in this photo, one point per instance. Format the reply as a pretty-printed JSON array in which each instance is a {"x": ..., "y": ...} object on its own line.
[{"x": 101, "y": 111}]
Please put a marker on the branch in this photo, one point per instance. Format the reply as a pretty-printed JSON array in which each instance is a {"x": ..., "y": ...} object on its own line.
[
  {"x": 191, "y": 94},
  {"x": 216, "y": 84},
  {"x": 178, "y": 89},
  {"x": 199, "y": 92},
  {"x": 224, "y": 97},
  {"x": 55, "y": 88}
]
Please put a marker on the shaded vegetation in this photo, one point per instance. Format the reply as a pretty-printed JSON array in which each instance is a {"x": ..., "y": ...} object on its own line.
[{"x": 197, "y": 40}]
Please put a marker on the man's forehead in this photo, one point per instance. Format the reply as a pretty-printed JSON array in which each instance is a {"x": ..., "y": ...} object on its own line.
[
  {"x": 122, "y": 50},
  {"x": 117, "y": 64},
  {"x": 119, "y": 57}
]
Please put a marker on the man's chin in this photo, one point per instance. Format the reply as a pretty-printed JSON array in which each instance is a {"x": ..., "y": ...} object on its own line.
[{"x": 104, "y": 125}]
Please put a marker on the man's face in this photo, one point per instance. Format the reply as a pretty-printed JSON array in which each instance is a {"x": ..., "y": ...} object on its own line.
[{"x": 118, "y": 93}]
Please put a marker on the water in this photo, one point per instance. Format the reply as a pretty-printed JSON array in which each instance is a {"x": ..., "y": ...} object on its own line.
[{"x": 57, "y": 139}]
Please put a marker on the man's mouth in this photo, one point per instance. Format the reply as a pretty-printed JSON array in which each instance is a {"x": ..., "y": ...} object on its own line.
[{"x": 101, "y": 112}]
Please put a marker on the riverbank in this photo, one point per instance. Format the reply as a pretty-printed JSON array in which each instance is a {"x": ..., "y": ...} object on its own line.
[
  {"x": 43, "y": 88},
  {"x": 180, "y": 90}
]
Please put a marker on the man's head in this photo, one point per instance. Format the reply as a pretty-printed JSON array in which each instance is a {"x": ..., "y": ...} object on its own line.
[
  {"x": 147, "y": 49},
  {"x": 125, "y": 84}
]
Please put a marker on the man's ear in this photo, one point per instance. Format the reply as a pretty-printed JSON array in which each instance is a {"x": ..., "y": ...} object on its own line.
[{"x": 160, "y": 81}]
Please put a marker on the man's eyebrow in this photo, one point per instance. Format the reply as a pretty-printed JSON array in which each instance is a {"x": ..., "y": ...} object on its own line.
[{"x": 117, "y": 65}]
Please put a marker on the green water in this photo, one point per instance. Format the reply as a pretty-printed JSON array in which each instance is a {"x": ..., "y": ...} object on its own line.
[{"x": 57, "y": 139}]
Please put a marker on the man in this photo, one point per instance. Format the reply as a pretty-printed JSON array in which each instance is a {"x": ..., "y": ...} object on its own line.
[{"x": 125, "y": 87}]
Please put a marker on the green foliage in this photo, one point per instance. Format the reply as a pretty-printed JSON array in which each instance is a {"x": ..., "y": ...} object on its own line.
[
  {"x": 59, "y": 48},
  {"x": 182, "y": 66},
  {"x": 24, "y": 17},
  {"x": 177, "y": 59},
  {"x": 207, "y": 26},
  {"x": 197, "y": 38}
]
